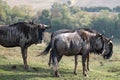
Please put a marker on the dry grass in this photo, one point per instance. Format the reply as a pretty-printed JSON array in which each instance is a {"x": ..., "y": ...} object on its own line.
[{"x": 39, "y": 70}]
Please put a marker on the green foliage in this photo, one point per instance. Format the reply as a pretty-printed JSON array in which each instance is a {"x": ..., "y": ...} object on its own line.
[
  {"x": 43, "y": 17},
  {"x": 105, "y": 23},
  {"x": 45, "y": 13},
  {"x": 72, "y": 17},
  {"x": 22, "y": 13},
  {"x": 66, "y": 16},
  {"x": 16, "y": 14},
  {"x": 116, "y": 9},
  {"x": 4, "y": 11},
  {"x": 96, "y": 9}
]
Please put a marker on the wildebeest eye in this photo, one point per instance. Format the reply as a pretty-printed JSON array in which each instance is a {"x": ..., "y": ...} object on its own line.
[
  {"x": 110, "y": 44},
  {"x": 38, "y": 26}
]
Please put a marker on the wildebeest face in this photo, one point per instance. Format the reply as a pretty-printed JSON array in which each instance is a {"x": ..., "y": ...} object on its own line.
[
  {"x": 98, "y": 44},
  {"x": 41, "y": 29},
  {"x": 108, "y": 49}
]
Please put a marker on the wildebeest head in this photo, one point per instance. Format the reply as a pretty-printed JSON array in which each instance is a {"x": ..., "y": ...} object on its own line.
[
  {"x": 103, "y": 46},
  {"x": 108, "y": 48},
  {"x": 98, "y": 43},
  {"x": 41, "y": 29}
]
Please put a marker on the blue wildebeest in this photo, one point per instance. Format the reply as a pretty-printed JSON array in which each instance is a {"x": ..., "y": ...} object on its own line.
[
  {"x": 22, "y": 34},
  {"x": 79, "y": 42}
]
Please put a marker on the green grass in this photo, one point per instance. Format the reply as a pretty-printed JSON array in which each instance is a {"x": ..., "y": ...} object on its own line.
[{"x": 100, "y": 69}]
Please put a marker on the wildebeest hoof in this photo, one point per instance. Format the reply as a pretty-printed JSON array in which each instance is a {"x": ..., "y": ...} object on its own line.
[
  {"x": 14, "y": 67},
  {"x": 85, "y": 74},
  {"x": 75, "y": 73},
  {"x": 88, "y": 69},
  {"x": 27, "y": 68},
  {"x": 57, "y": 74},
  {"x": 35, "y": 69},
  {"x": 49, "y": 64}
]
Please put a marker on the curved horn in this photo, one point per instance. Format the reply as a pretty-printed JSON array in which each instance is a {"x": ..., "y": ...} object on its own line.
[
  {"x": 51, "y": 20},
  {"x": 47, "y": 26},
  {"x": 31, "y": 22},
  {"x": 102, "y": 34},
  {"x": 112, "y": 37}
]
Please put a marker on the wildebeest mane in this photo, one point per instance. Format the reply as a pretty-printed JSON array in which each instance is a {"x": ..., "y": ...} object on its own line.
[
  {"x": 69, "y": 31},
  {"x": 86, "y": 34},
  {"x": 89, "y": 30},
  {"x": 25, "y": 28},
  {"x": 63, "y": 31}
]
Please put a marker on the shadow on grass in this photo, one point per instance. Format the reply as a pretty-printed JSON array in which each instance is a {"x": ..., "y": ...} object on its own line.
[
  {"x": 114, "y": 69},
  {"x": 34, "y": 72},
  {"x": 22, "y": 76}
]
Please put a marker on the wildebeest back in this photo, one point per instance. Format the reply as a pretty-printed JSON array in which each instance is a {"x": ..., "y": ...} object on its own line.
[{"x": 18, "y": 34}]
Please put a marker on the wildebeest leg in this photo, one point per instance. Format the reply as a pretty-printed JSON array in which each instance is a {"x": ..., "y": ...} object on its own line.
[
  {"x": 24, "y": 56},
  {"x": 76, "y": 62},
  {"x": 84, "y": 56},
  {"x": 88, "y": 62},
  {"x": 55, "y": 63},
  {"x": 58, "y": 58},
  {"x": 49, "y": 63}
]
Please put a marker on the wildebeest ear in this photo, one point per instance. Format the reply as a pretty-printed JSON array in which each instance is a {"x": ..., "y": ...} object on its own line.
[
  {"x": 43, "y": 26},
  {"x": 99, "y": 35},
  {"x": 47, "y": 26},
  {"x": 110, "y": 38},
  {"x": 31, "y": 22}
]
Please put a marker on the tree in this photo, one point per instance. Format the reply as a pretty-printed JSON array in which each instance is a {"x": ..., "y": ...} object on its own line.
[
  {"x": 5, "y": 12},
  {"x": 16, "y": 14},
  {"x": 22, "y": 13},
  {"x": 116, "y": 9},
  {"x": 105, "y": 23}
]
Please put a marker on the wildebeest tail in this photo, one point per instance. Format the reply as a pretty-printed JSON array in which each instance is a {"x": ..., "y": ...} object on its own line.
[{"x": 46, "y": 51}]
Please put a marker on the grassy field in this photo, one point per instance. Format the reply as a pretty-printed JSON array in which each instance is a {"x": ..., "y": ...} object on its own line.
[{"x": 100, "y": 69}]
